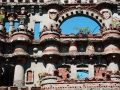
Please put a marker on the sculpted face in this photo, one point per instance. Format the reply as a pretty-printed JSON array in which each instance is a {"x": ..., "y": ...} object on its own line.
[
  {"x": 53, "y": 14},
  {"x": 106, "y": 14}
]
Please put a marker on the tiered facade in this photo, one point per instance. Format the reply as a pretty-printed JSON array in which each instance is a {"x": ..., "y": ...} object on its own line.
[{"x": 53, "y": 61}]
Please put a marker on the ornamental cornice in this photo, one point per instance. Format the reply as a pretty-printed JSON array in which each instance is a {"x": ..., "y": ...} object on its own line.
[
  {"x": 20, "y": 54},
  {"x": 29, "y": 33},
  {"x": 21, "y": 39}
]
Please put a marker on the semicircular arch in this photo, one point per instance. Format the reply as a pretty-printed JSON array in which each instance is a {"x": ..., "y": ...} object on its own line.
[{"x": 80, "y": 11}]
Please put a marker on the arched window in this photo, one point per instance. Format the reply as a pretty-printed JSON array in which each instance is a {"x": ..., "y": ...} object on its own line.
[
  {"x": 29, "y": 76},
  {"x": 82, "y": 71},
  {"x": 72, "y": 25}
]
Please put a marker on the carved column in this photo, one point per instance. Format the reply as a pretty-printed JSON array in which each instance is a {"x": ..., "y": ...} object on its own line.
[
  {"x": 91, "y": 70},
  {"x": 19, "y": 72},
  {"x": 73, "y": 71}
]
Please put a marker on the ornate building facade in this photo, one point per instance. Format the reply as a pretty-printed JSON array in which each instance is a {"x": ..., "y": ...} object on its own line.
[{"x": 53, "y": 61}]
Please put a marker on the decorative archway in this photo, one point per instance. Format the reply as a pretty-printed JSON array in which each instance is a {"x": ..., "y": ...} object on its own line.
[{"x": 80, "y": 11}]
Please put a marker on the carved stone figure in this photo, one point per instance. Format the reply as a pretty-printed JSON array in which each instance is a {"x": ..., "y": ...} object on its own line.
[
  {"x": 106, "y": 14},
  {"x": 53, "y": 13}
]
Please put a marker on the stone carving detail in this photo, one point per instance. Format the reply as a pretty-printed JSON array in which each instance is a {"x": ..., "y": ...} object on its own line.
[
  {"x": 19, "y": 83},
  {"x": 53, "y": 14},
  {"x": 106, "y": 14}
]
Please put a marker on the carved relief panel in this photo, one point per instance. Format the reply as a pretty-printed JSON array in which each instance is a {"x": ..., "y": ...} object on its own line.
[{"x": 53, "y": 13}]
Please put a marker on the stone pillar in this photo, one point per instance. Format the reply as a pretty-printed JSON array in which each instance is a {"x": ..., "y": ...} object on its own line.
[
  {"x": 91, "y": 70},
  {"x": 73, "y": 71},
  {"x": 19, "y": 76}
]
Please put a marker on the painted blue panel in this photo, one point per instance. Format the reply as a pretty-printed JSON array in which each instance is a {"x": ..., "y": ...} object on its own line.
[
  {"x": 16, "y": 24},
  {"x": 7, "y": 25},
  {"x": 82, "y": 74},
  {"x": 36, "y": 30}
]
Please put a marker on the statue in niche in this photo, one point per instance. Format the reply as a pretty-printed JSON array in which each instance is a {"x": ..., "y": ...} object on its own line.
[
  {"x": 106, "y": 14},
  {"x": 53, "y": 13}
]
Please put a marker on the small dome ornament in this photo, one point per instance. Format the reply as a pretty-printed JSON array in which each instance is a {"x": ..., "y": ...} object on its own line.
[{"x": 35, "y": 50}]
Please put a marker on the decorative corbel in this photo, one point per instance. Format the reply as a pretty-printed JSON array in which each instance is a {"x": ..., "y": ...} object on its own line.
[
  {"x": 12, "y": 9},
  {"x": 40, "y": 10},
  {"x": 32, "y": 9},
  {"x": 79, "y": 8}
]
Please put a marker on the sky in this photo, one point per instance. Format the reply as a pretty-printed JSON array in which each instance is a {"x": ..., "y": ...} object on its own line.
[
  {"x": 79, "y": 21},
  {"x": 82, "y": 74},
  {"x": 67, "y": 26}
]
